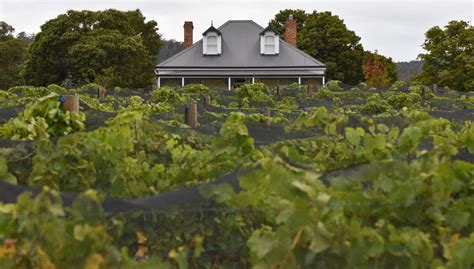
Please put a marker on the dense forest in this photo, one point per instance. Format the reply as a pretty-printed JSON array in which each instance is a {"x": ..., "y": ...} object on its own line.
[{"x": 407, "y": 70}]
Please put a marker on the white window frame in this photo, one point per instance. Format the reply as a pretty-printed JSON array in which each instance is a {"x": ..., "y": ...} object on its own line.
[
  {"x": 276, "y": 45},
  {"x": 205, "y": 44}
]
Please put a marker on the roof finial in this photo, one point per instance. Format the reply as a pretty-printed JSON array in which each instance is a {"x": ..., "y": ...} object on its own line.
[{"x": 212, "y": 23}]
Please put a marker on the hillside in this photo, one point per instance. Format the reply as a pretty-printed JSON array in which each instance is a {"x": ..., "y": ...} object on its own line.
[{"x": 407, "y": 70}]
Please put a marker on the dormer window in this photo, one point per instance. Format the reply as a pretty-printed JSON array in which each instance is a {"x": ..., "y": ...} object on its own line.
[
  {"x": 212, "y": 42},
  {"x": 269, "y": 42}
]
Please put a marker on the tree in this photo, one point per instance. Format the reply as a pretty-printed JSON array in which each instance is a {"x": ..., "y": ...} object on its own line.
[
  {"x": 279, "y": 22},
  {"x": 325, "y": 37},
  {"x": 449, "y": 60},
  {"x": 111, "y": 46},
  {"x": 13, "y": 52},
  {"x": 6, "y": 30},
  {"x": 26, "y": 37},
  {"x": 113, "y": 65},
  {"x": 390, "y": 68},
  {"x": 375, "y": 72},
  {"x": 169, "y": 48}
]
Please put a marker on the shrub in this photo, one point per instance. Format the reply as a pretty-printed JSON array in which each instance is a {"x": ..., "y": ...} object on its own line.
[
  {"x": 375, "y": 105},
  {"x": 193, "y": 88},
  {"x": 257, "y": 92},
  {"x": 334, "y": 85},
  {"x": 43, "y": 118},
  {"x": 324, "y": 92},
  {"x": 397, "y": 85},
  {"x": 421, "y": 90},
  {"x": 30, "y": 91},
  {"x": 165, "y": 94},
  {"x": 56, "y": 88},
  {"x": 401, "y": 100},
  {"x": 88, "y": 87}
]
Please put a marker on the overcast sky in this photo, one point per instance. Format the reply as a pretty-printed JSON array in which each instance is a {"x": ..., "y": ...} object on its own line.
[{"x": 395, "y": 28}]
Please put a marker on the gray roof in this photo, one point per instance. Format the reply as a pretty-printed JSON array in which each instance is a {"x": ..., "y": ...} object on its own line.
[{"x": 241, "y": 49}]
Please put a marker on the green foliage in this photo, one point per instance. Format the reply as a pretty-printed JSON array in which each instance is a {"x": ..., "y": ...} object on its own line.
[
  {"x": 42, "y": 118},
  {"x": 325, "y": 37},
  {"x": 8, "y": 99},
  {"x": 165, "y": 94},
  {"x": 123, "y": 157},
  {"x": 375, "y": 105},
  {"x": 194, "y": 88},
  {"x": 287, "y": 104},
  {"x": 397, "y": 213},
  {"x": 119, "y": 60},
  {"x": 319, "y": 117},
  {"x": 136, "y": 103},
  {"x": 37, "y": 234},
  {"x": 13, "y": 53},
  {"x": 448, "y": 61},
  {"x": 338, "y": 190},
  {"x": 257, "y": 92},
  {"x": 279, "y": 22},
  {"x": 389, "y": 66},
  {"x": 400, "y": 100},
  {"x": 29, "y": 91},
  {"x": 397, "y": 85},
  {"x": 333, "y": 85},
  {"x": 324, "y": 93},
  {"x": 4, "y": 174},
  {"x": 111, "y": 47}
]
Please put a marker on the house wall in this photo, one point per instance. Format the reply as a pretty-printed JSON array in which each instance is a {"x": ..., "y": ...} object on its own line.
[
  {"x": 317, "y": 82},
  {"x": 274, "y": 82},
  {"x": 221, "y": 83},
  {"x": 170, "y": 82},
  {"x": 212, "y": 83}
]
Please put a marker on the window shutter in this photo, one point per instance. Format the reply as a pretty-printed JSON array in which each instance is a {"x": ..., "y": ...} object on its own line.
[{"x": 262, "y": 44}]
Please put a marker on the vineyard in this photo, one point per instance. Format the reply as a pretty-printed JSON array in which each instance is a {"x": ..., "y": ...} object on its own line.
[{"x": 334, "y": 177}]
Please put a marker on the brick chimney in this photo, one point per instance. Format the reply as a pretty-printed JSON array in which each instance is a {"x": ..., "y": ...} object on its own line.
[
  {"x": 188, "y": 34},
  {"x": 290, "y": 31}
]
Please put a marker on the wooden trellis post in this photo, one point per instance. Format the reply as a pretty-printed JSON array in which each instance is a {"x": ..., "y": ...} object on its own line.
[
  {"x": 278, "y": 92},
  {"x": 309, "y": 89},
  {"x": 101, "y": 94},
  {"x": 190, "y": 115},
  {"x": 266, "y": 117},
  {"x": 70, "y": 103},
  {"x": 206, "y": 100}
]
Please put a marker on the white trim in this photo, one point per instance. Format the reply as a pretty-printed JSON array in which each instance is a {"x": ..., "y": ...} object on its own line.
[
  {"x": 158, "y": 82},
  {"x": 182, "y": 81},
  {"x": 299, "y": 80},
  {"x": 229, "y": 82},
  {"x": 324, "y": 80},
  {"x": 276, "y": 44},
  {"x": 253, "y": 80},
  {"x": 218, "y": 40}
]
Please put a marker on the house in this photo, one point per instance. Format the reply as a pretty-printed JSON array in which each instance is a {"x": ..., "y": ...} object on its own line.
[{"x": 240, "y": 51}]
